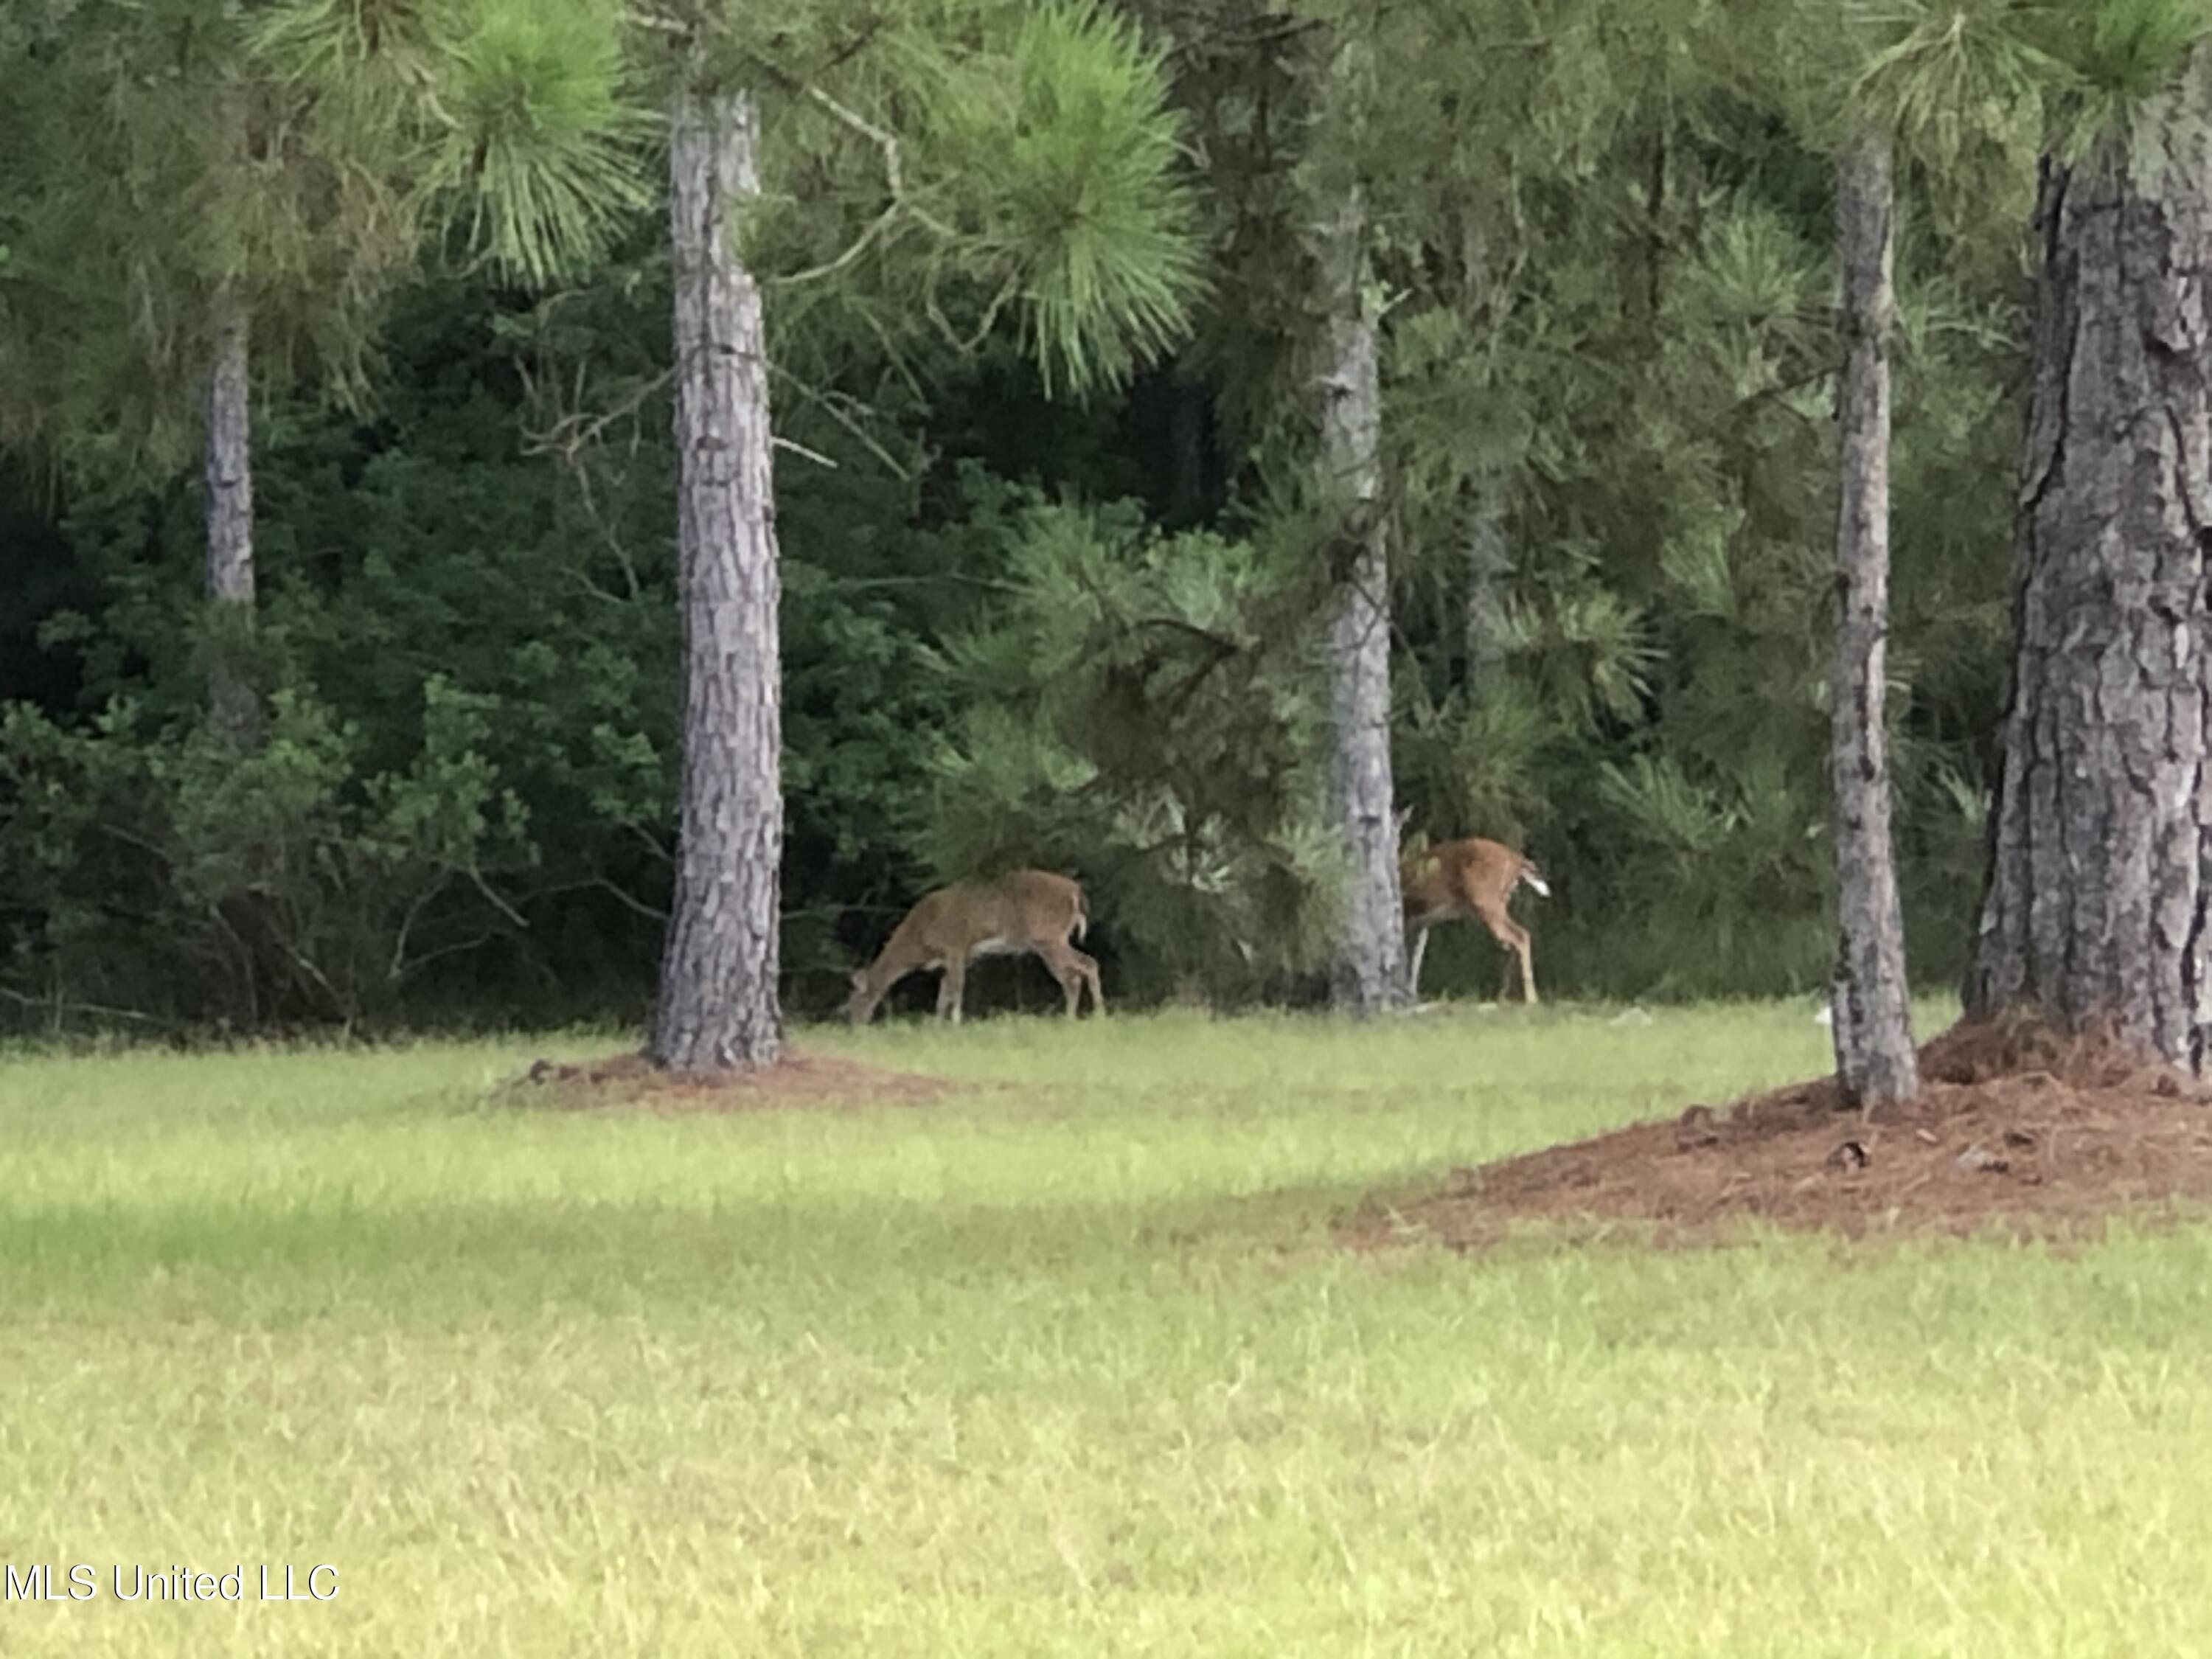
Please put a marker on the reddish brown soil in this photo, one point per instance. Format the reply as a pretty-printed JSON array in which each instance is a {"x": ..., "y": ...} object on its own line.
[
  {"x": 633, "y": 1083},
  {"x": 2015, "y": 1129}
]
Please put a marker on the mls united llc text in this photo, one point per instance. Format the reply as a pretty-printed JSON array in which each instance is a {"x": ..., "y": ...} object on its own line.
[{"x": 44, "y": 1582}]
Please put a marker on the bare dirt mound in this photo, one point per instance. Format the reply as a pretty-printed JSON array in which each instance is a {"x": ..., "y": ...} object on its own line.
[
  {"x": 633, "y": 1083},
  {"x": 2016, "y": 1128}
]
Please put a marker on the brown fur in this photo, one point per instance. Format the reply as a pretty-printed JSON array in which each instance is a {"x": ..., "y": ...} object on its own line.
[
  {"x": 1031, "y": 910},
  {"x": 1474, "y": 879}
]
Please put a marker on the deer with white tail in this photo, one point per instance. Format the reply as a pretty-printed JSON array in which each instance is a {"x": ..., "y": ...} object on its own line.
[
  {"x": 1031, "y": 910},
  {"x": 1467, "y": 879}
]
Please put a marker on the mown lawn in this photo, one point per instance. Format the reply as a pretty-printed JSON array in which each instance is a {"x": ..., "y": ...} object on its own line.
[{"x": 1068, "y": 1365}]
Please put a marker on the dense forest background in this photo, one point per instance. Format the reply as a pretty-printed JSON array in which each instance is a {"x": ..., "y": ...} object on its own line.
[{"x": 1026, "y": 626}]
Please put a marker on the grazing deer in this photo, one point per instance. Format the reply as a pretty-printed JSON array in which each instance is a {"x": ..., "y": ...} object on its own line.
[
  {"x": 1028, "y": 910},
  {"x": 1472, "y": 878}
]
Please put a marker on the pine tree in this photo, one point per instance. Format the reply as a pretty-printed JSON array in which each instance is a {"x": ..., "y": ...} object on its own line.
[
  {"x": 2096, "y": 901},
  {"x": 1872, "y": 1025},
  {"x": 1908, "y": 69},
  {"x": 1367, "y": 974},
  {"x": 1085, "y": 243},
  {"x": 719, "y": 1007},
  {"x": 223, "y": 195}
]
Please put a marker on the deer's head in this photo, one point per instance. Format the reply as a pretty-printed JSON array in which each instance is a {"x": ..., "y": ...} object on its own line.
[{"x": 860, "y": 1006}]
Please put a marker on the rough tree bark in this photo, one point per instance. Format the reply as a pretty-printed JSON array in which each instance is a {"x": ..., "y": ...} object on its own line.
[
  {"x": 228, "y": 465},
  {"x": 718, "y": 1009},
  {"x": 1873, "y": 1016},
  {"x": 2095, "y": 910},
  {"x": 1368, "y": 970}
]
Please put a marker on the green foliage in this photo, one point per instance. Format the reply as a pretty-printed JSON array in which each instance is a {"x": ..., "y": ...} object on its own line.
[
  {"x": 1473, "y": 764},
  {"x": 285, "y": 885},
  {"x": 1137, "y": 714},
  {"x": 1949, "y": 75},
  {"x": 1961, "y": 81},
  {"x": 538, "y": 143},
  {"x": 2127, "y": 50},
  {"x": 293, "y": 157},
  {"x": 1644, "y": 379},
  {"x": 1601, "y": 251},
  {"x": 993, "y": 162},
  {"x": 1068, "y": 147}
]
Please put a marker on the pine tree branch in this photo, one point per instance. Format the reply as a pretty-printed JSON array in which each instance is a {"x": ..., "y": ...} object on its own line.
[
  {"x": 887, "y": 144},
  {"x": 779, "y": 441},
  {"x": 61, "y": 1007},
  {"x": 823, "y": 402}
]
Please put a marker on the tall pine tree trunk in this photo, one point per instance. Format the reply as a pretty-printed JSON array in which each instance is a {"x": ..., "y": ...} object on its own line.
[
  {"x": 1873, "y": 1023},
  {"x": 1368, "y": 972},
  {"x": 227, "y": 468},
  {"x": 2095, "y": 906},
  {"x": 718, "y": 979}
]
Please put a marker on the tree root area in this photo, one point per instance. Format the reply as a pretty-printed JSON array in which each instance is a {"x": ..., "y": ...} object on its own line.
[
  {"x": 633, "y": 1083},
  {"x": 2018, "y": 1129}
]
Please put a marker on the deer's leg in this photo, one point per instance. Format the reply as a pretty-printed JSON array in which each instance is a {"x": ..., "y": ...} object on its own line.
[
  {"x": 1062, "y": 963},
  {"x": 1087, "y": 966},
  {"x": 1418, "y": 949},
  {"x": 951, "y": 987},
  {"x": 1515, "y": 940},
  {"x": 1073, "y": 970}
]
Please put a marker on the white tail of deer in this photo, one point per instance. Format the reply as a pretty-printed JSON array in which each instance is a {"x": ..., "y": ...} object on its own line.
[
  {"x": 1029, "y": 910},
  {"x": 1467, "y": 879}
]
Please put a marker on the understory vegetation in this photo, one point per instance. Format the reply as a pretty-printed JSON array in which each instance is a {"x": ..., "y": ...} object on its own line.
[{"x": 1028, "y": 628}]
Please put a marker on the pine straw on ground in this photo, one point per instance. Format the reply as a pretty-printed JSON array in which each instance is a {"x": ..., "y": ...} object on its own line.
[
  {"x": 2016, "y": 1128},
  {"x": 633, "y": 1083}
]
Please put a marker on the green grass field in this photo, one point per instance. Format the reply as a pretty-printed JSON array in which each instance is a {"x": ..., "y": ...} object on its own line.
[{"x": 1069, "y": 1366}]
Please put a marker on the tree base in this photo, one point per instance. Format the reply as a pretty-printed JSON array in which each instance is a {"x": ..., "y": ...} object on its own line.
[
  {"x": 2018, "y": 1128},
  {"x": 633, "y": 1082}
]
